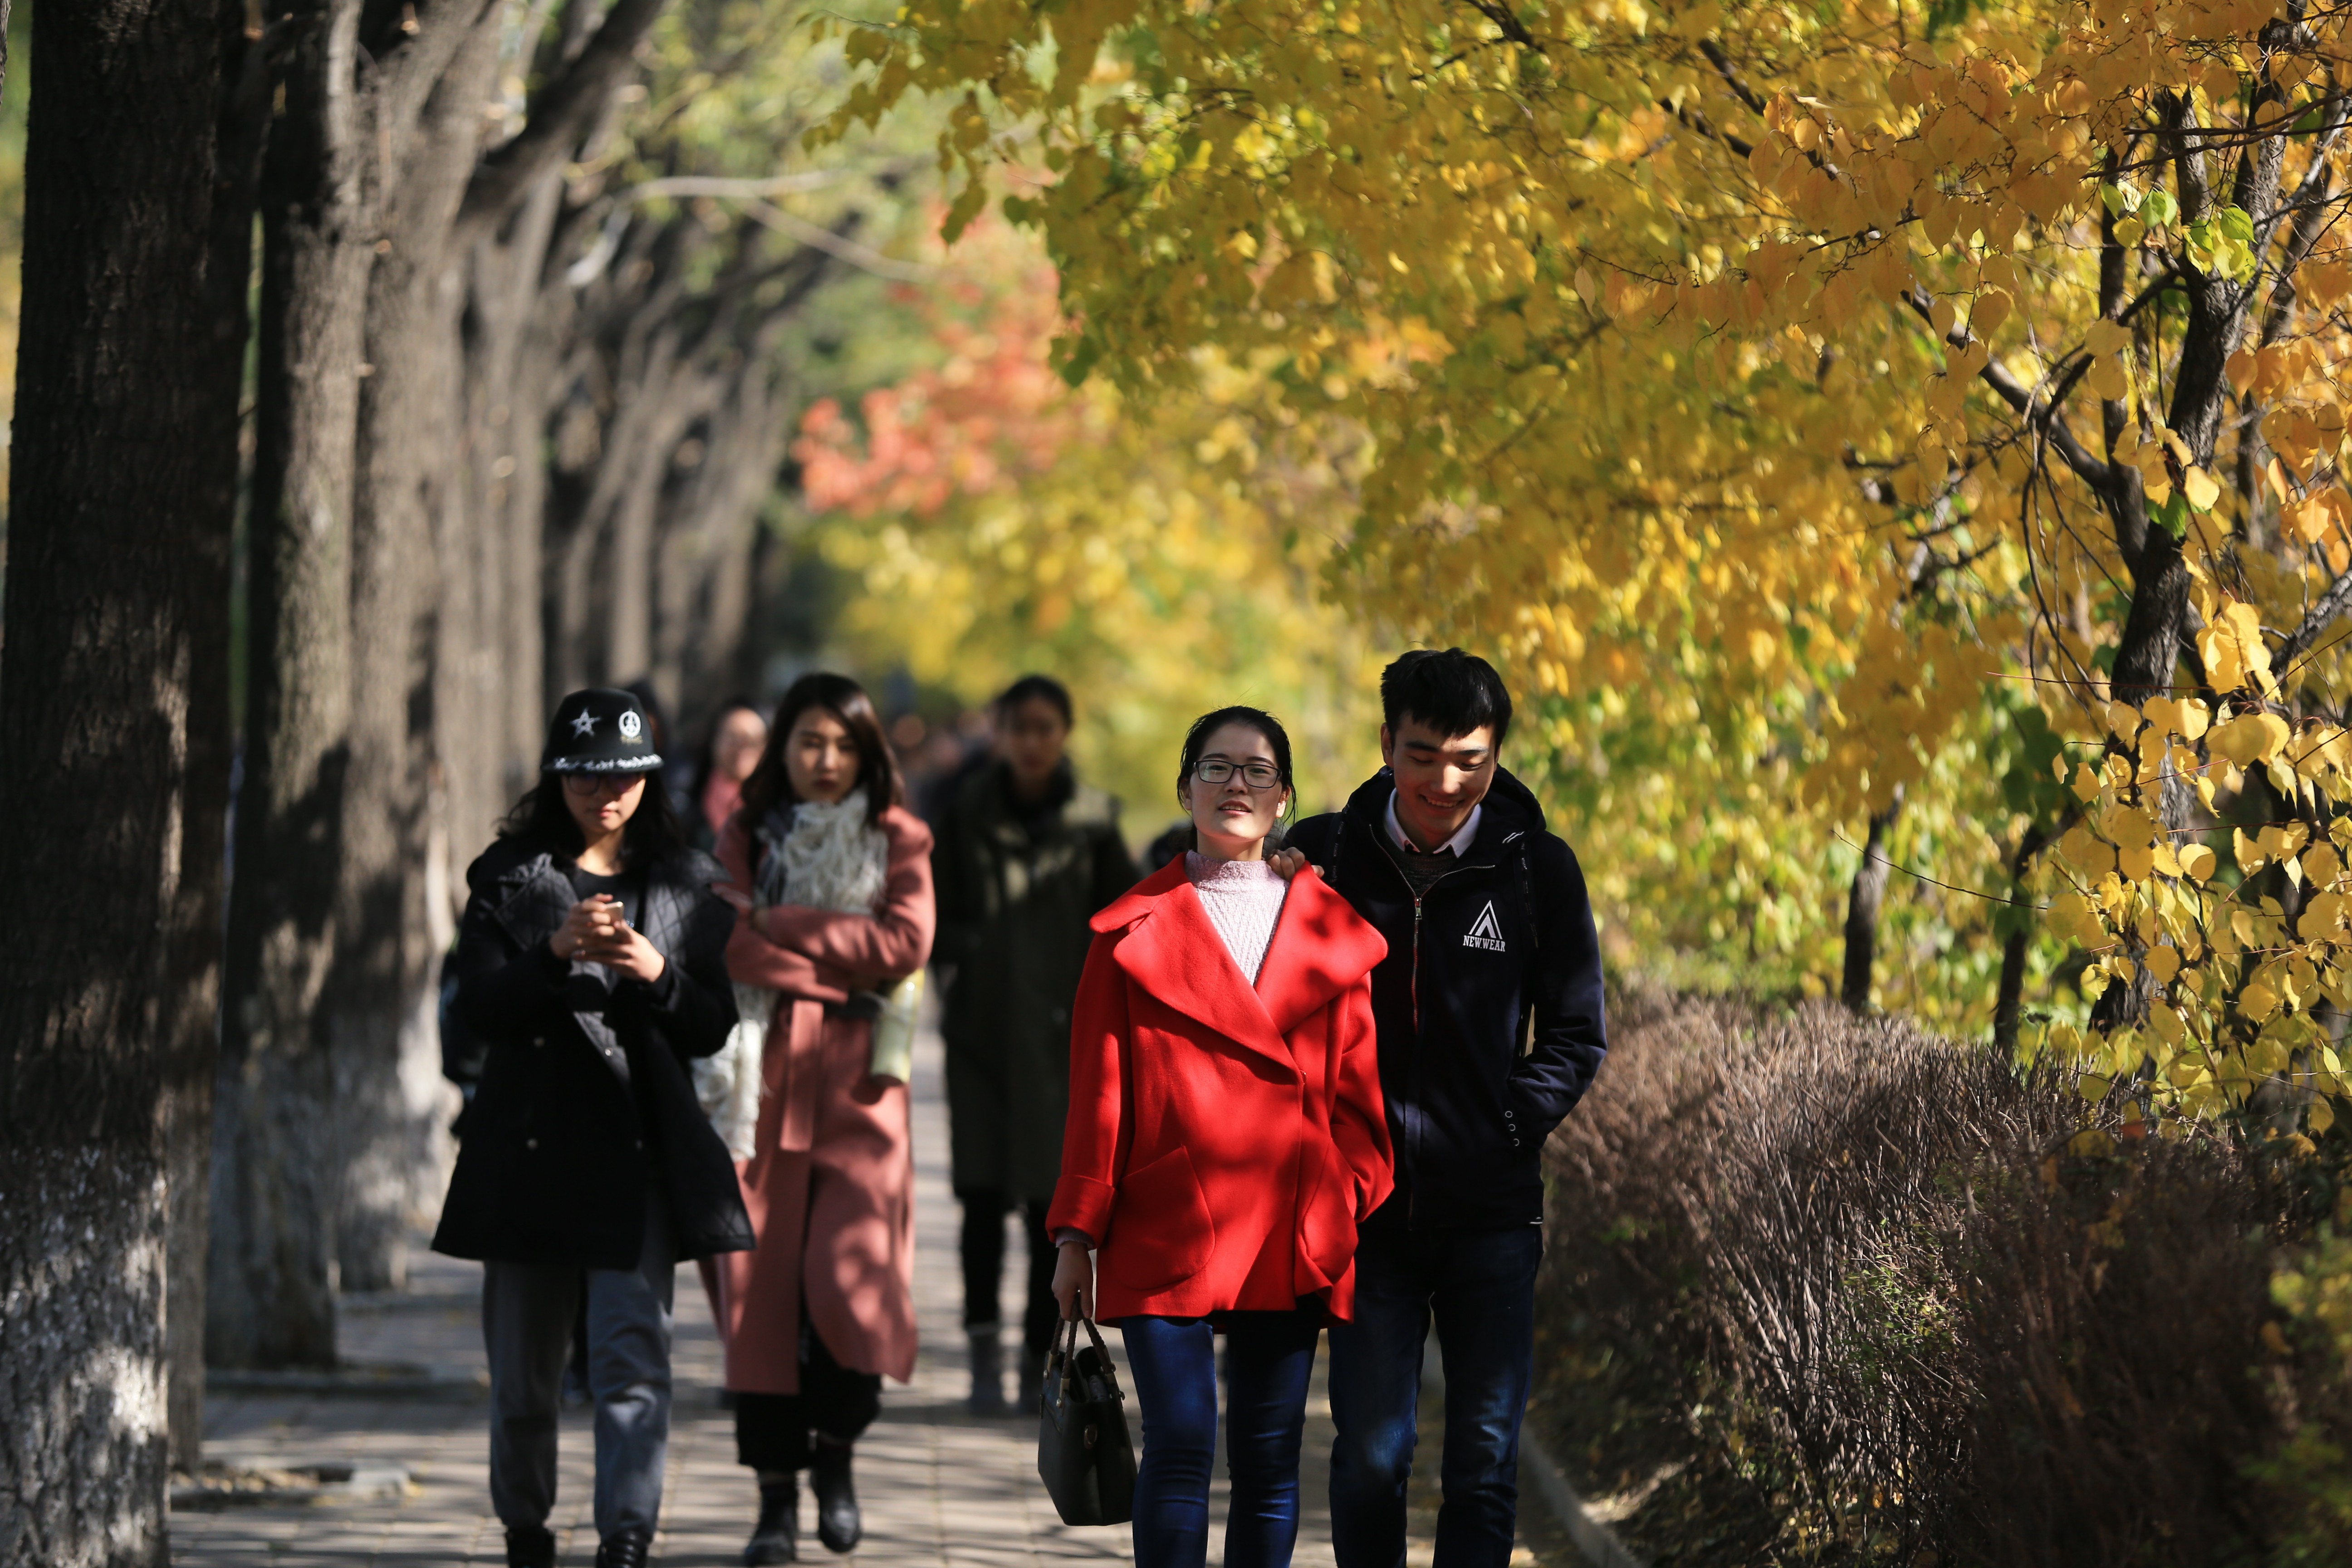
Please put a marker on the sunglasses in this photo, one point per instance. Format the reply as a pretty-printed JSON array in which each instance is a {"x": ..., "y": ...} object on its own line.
[{"x": 586, "y": 784}]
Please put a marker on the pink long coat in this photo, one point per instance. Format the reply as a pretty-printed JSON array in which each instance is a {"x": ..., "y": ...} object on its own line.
[{"x": 831, "y": 1186}]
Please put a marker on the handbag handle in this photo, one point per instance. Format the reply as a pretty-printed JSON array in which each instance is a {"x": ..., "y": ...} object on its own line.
[{"x": 1069, "y": 1329}]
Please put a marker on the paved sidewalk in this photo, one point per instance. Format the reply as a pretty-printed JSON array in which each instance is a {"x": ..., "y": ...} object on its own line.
[{"x": 940, "y": 1488}]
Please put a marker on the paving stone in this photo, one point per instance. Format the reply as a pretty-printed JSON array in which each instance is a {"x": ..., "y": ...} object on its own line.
[{"x": 940, "y": 1489}]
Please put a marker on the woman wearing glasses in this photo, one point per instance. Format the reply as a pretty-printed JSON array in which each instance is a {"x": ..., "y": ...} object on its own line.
[
  {"x": 1225, "y": 1137},
  {"x": 590, "y": 967}
]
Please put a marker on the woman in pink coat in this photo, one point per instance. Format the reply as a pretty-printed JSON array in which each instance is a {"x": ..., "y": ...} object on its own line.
[{"x": 833, "y": 877}]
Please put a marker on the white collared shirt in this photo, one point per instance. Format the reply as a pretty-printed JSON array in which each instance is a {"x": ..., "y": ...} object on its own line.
[{"x": 1460, "y": 842}]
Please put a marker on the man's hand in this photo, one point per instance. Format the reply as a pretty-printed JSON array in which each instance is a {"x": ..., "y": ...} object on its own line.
[
  {"x": 1287, "y": 863},
  {"x": 1074, "y": 1279}
]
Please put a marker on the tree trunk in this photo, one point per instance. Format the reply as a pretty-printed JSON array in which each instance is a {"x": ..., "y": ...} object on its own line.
[
  {"x": 196, "y": 961},
  {"x": 115, "y": 611},
  {"x": 2016, "y": 925},
  {"x": 379, "y": 185},
  {"x": 275, "y": 1177},
  {"x": 1863, "y": 901},
  {"x": 411, "y": 536}
]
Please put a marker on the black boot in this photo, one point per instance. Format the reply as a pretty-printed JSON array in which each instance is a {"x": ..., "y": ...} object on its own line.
[
  {"x": 1032, "y": 1381},
  {"x": 530, "y": 1546},
  {"x": 777, "y": 1537},
  {"x": 838, "y": 1522},
  {"x": 987, "y": 1370},
  {"x": 626, "y": 1550}
]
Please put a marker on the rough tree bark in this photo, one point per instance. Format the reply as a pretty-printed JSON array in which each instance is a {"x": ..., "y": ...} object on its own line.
[
  {"x": 274, "y": 1192},
  {"x": 196, "y": 956},
  {"x": 377, "y": 1012},
  {"x": 332, "y": 1137},
  {"x": 115, "y": 611},
  {"x": 1862, "y": 906},
  {"x": 664, "y": 442},
  {"x": 2017, "y": 927}
]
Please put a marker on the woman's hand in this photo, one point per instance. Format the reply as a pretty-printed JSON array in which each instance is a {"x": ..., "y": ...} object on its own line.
[
  {"x": 1074, "y": 1279},
  {"x": 626, "y": 951},
  {"x": 589, "y": 922}
]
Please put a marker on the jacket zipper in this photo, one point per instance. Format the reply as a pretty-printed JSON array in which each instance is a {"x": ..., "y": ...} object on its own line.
[{"x": 1413, "y": 1196}]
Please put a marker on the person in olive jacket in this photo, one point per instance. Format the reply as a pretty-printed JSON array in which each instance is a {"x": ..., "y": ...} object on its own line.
[
  {"x": 590, "y": 967},
  {"x": 1025, "y": 855}
]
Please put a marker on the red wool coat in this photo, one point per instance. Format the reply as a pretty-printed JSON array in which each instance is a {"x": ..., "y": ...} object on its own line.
[{"x": 1223, "y": 1141}]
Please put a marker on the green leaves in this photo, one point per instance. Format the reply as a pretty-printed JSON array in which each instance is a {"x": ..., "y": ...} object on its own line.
[{"x": 2223, "y": 245}]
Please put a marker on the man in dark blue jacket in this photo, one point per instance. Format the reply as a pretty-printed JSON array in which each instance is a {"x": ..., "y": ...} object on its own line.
[{"x": 1489, "y": 1013}]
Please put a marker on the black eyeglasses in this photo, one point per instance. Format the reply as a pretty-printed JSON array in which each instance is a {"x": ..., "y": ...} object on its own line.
[
  {"x": 1216, "y": 770},
  {"x": 589, "y": 783}
]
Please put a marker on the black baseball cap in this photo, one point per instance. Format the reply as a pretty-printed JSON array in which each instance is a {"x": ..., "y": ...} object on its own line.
[{"x": 602, "y": 729}]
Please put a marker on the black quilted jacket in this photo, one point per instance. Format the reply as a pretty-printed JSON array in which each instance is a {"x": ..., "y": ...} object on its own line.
[
  {"x": 582, "y": 1104},
  {"x": 1489, "y": 1005}
]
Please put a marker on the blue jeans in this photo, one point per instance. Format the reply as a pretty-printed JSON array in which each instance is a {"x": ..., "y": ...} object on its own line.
[
  {"x": 1268, "y": 1359},
  {"x": 527, "y": 1320},
  {"x": 1479, "y": 1285}
]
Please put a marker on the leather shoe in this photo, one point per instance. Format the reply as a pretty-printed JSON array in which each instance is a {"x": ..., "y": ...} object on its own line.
[
  {"x": 1033, "y": 1381},
  {"x": 777, "y": 1537},
  {"x": 625, "y": 1551},
  {"x": 838, "y": 1522},
  {"x": 987, "y": 1370},
  {"x": 530, "y": 1546}
]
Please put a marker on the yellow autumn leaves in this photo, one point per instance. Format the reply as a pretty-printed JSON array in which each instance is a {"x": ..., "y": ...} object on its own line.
[
  {"x": 2238, "y": 977},
  {"x": 1759, "y": 385}
]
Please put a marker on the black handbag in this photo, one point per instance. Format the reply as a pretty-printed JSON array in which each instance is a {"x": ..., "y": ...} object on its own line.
[{"x": 1084, "y": 1456}]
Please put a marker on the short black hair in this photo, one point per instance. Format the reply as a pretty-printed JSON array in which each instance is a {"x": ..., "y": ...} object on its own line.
[
  {"x": 1453, "y": 691},
  {"x": 1037, "y": 689}
]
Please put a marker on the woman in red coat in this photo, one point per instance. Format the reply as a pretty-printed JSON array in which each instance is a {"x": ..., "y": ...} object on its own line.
[{"x": 1225, "y": 1138}]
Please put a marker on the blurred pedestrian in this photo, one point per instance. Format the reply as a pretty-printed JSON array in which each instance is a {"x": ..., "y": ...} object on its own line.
[
  {"x": 590, "y": 967},
  {"x": 1027, "y": 854},
  {"x": 1226, "y": 1137},
  {"x": 739, "y": 733},
  {"x": 833, "y": 877},
  {"x": 677, "y": 769},
  {"x": 1171, "y": 845}
]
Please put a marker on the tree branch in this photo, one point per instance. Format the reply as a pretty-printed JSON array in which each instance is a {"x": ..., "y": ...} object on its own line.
[
  {"x": 2090, "y": 468},
  {"x": 565, "y": 112},
  {"x": 1722, "y": 63},
  {"x": 2323, "y": 615},
  {"x": 1498, "y": 12}
]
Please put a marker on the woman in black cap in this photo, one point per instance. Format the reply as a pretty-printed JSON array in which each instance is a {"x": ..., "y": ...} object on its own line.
[{"x": 591, "y": 966}]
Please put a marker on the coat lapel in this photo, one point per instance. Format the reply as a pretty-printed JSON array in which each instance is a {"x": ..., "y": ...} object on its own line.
[
  {"x": 1321, "y": 946},
  {"x": 1175, "y": 954}
]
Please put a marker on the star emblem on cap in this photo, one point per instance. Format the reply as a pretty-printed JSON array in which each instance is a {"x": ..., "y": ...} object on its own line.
[{"x": 583, "y": 723}]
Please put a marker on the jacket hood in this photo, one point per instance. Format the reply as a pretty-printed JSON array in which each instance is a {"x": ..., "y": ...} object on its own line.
[{"x": 1506, "y": 796}]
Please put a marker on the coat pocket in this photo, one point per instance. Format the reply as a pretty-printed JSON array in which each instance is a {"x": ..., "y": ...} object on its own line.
[
  {"x": 1161, "y": 1232},
  {"x": 1326, "y": 1216}
]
